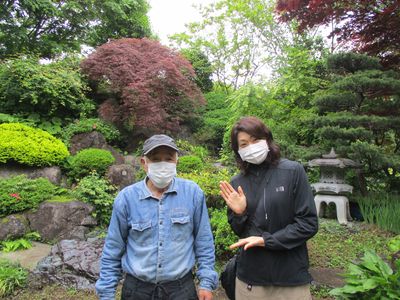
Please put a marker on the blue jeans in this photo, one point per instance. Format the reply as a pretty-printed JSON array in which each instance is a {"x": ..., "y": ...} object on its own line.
[{"x": 181, "y": 289}]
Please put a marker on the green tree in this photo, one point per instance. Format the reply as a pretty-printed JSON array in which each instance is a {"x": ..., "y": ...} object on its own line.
[
  {"x": 240, "y": 38},
  {"x": 54, "y": 90},
  {"x": 49, "y": 27},
  {"x": 359, "y": 115},
  {"x": 201, "y": 67}
]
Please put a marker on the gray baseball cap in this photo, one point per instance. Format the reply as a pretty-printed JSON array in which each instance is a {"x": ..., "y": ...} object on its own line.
[{"x": 157, "y": 141}]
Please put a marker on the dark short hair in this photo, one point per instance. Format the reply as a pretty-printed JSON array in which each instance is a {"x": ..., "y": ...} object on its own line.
[{"x": 257, "y": 129}]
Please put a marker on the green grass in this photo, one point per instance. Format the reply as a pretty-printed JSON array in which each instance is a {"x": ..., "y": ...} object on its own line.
[{"x": 335, "y": 245}]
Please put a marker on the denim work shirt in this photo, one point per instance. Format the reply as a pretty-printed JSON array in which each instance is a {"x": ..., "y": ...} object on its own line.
[{"x": 158, "y": 240}]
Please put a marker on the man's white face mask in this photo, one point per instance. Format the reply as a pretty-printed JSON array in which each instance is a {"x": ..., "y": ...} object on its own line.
[
  {"x": 161, "y": 173},
  {"x": 255, "y": 153}
]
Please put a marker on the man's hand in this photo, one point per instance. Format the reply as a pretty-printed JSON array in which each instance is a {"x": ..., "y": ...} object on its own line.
[
  {"x": 251, "y": 241},
  {"x": 235, "y": 200},
  {"x": 205, "y": 295}
]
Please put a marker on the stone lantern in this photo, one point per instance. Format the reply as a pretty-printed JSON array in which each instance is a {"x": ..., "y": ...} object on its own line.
[{"x": 331, "y": 187}]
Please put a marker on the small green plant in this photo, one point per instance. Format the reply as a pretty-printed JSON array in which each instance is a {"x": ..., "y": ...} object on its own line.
[
  {"x": 19, "y": 244},
  {"x": 100, "y": 193},
  {"x": 87, "y": 161},
  {"x": 372, "y": 278},
  {"x": 29, "y": 146},
  {"x": 20, "y": 193},
  {"x": 223, "y": 234},
  {"x": 12, "y": 276},
  {"x": 189, "y": 163},
  {"x": 188, "y": 149}
]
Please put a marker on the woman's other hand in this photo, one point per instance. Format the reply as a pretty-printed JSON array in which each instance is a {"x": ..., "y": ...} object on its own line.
[
  {"x": 251, "y": 241},
  {"x": 236, "y": 200}
]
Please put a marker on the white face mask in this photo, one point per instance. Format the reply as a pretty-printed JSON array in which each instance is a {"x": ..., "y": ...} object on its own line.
[
  {"x": 161, "y": 173},
  {"x": 255, "y": 153}
]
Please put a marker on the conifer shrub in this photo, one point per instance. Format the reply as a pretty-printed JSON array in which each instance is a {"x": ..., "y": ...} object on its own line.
[
  {"x": 189, "y": 163},
  {"x": 29, "y": 146}
]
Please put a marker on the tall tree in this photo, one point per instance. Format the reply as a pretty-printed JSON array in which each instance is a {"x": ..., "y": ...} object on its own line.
[
  {"x": 359, "y": 115},
  {"x": 49, "y": 27},
  {"x": 372, "y": 27},
  {"x": 241, "y": 38},
  {"x": 143, "y": 84}
]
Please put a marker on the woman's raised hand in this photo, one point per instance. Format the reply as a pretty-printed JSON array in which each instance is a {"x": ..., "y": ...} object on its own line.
[{"x": 236, "y": 200}]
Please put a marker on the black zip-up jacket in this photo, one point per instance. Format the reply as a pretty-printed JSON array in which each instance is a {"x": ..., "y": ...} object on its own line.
[{"x": 281, "y": 209}]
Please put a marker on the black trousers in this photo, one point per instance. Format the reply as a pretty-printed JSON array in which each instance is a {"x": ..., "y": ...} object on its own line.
[{"x": 181, "y": 289}]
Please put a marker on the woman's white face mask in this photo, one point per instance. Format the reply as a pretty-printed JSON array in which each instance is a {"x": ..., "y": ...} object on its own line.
[
  {"x": 255, "y": 153},
  {"x": 161, "y": 173}
]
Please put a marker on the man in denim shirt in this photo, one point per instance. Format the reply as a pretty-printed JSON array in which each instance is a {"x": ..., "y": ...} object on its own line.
[{"x": 159, "y": 228}]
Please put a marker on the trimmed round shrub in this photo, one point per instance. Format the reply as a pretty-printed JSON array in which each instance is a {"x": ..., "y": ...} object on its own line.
[
  {"x": 20, "y": 193},
  {"x": 189, "y": 163},
  {"x": 89, "y": 160},
  {"x": 30, "y": 146}
]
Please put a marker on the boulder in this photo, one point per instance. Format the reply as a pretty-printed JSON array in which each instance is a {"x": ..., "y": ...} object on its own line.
[
  {"x": 62, "y": 220},
  {"x": 93, "y": 139},
  {"x": 53, "y": 174},
  {"x": 13, "y": 227},
  {"x": 121, "y": 175},
  {"x": 71, "y": 263}
]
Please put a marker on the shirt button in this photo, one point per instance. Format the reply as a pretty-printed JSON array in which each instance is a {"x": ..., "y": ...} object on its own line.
[
  {"x": 160, "y": 244},
  {"x": 159, "y": 265},
  {"x": 160, "y": 222}
]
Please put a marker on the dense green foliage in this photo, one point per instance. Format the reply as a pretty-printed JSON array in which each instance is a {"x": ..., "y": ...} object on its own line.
[
  {"x": 87, "y": 161},
  {"x": 381, "y": 209},
  {"x": 100, "y": 193},
  {"x": 48, "y": 28},
  {"x": 215, "y": 116},
  {"x": 110, "y": 133},
  {"x": 29, "y": 146},
  {"x": 223, "y": 234},
  {"x": 49, "y": 90},
  {"x": 20, "y": 193},
  {"x": 189, "y": 163},
  {"x": 359, "y": 116},
  {"x": 12, "y": 276}
]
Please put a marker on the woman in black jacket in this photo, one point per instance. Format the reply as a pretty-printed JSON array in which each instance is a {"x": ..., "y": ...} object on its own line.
[{"x": 271, "y": 208}]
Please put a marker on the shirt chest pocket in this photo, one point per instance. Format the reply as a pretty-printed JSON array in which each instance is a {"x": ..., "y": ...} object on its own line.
[
  {"x": 181, "y": 228},
  {"x": 142, "y": 233}
]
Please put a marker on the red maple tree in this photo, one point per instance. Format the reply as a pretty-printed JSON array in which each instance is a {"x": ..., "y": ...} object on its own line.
[
  {"x": 371, "y": 26},
  {"x": 143, "y": 84}
]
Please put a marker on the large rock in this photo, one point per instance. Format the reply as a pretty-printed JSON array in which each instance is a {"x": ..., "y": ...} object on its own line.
[
  {"x": 93, "y": 139},
  {"x": 53, "y": 174},
  {"x": 13, "y": 227},
  {"x": 121, "y": 175},
  {"x": 62, "y": 220},
  {"x": 71, "y": 263}
]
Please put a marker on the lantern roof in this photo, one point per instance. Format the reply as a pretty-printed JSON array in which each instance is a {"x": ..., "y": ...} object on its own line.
[{"x": 332, "y": 160}]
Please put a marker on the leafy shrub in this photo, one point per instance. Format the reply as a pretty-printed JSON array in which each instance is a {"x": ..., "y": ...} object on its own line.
[
  {"x": 49, "y": 90},
  {"x": 209, "y": 180},
  {"x": 371, "y": 279},
  {"x": 189, "y": 149},
  {"x": 110, "y": 133},
  {"x": 12, "y": 276},
  {"x": 189, "y": 163},
  {"x": 381, "y": 209},
  {"x": 20, "y": 193},
  {"x": 88, "y": 160},
  {"x": 223, "y": 234},
  {"x": 98, "y": 192},
  {"x": 29, "y": 146}
]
